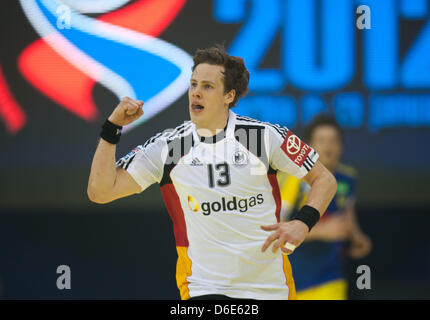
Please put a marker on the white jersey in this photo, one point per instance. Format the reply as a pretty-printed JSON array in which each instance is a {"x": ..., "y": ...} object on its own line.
[{"x": 218, "y": 192}]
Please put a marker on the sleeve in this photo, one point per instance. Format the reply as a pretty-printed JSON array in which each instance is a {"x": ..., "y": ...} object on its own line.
[
  {"x": 145, "y": 163},
  {"x": 288, "y": 153}
]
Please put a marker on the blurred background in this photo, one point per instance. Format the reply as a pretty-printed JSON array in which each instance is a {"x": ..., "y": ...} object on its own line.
[{"x": 64, "y": 65}]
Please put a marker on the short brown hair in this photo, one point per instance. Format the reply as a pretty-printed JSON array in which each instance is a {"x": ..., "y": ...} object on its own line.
[{"x": 236, "y": 76}]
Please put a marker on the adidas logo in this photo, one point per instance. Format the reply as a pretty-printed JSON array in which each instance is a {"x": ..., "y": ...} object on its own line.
[{"x": 196, "y": 162}]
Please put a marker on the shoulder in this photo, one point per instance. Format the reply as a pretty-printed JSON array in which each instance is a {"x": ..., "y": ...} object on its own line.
[
  {"x": 247, "y": 122},
  {"x": 346, "y": 171},
  {"x": 346, "y": 175}
]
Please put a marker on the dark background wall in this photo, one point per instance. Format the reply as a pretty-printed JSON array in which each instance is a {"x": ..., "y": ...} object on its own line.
[{"x": 126, "y": 249}]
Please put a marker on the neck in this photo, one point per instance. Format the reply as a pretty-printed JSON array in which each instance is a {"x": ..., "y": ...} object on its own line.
[
  {"x": 332, "y": 167},
  {"x": 213, "y": 127}
]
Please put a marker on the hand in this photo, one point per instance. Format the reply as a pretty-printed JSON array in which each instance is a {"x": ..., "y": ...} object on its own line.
[
  {"x": 360, "y": 245},
  {"x": 293, "y": 232},
  {"x": 127, "y": 111}
]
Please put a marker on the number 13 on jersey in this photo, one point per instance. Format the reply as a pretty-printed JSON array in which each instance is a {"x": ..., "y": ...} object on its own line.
[{"x": 222, "y": 172}]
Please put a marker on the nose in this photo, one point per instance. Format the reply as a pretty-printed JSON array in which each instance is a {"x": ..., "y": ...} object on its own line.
[{"x": 196, "y": 92}]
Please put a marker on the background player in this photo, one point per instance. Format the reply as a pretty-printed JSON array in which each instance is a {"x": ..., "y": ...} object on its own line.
[
  {"x": 221, "y": 210},
  {"x": 317, "y": 265}
]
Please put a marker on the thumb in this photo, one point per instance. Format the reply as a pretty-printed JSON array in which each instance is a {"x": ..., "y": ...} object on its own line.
[{"x": 138, "y": 114}]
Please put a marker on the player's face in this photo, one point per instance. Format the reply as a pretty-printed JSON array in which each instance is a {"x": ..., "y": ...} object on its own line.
[
  {"x": 208, "y": 105},
  {"x": 326, "y": 141}
]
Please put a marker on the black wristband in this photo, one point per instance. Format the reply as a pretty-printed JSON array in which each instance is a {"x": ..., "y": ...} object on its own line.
[
  {"x": 111, "y": 132},
  {"x": 310, "y": 216}
]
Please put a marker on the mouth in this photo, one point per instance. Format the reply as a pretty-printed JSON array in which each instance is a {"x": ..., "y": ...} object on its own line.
[{"x": 197, "y": 108}]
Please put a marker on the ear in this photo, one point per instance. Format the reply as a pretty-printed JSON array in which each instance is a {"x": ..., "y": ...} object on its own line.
[{"x": 229, "y": 96}]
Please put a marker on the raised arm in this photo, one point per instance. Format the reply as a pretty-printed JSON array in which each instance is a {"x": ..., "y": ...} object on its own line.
[{"x": 106, "y": 182}]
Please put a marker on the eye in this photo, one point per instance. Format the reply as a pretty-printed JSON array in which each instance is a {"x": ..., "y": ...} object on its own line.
[
  {"x": 193, "y": 84},
  {"x": 208, "y": 86}
]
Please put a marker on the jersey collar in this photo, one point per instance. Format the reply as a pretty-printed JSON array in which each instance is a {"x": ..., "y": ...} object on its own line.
[{"x": 227, "y": 133}]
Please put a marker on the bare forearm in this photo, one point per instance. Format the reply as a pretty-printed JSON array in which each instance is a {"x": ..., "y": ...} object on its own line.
[
  {"x": 103, "y": 170},
  {"x": 317, "y": 233},
  {"x": 323, "y": 189},
  {"x": 333, "y": 228}
]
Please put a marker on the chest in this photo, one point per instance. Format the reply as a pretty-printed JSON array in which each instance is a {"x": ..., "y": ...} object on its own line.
[
  {"x": 225, "y": 167},
  {"x": 343, "y": 193}
]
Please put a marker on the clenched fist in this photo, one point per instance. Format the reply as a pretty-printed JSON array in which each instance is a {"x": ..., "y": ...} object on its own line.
[{"x": 127, "y": 111}]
